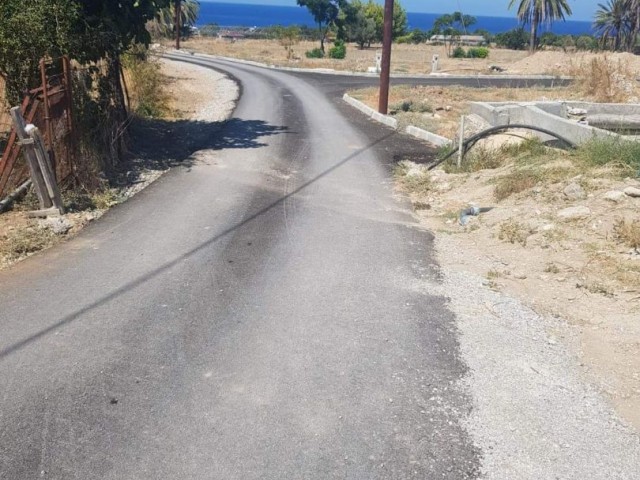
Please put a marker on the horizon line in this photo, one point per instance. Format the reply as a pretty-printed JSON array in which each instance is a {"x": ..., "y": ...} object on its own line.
[{"x": 254, "y": 3}]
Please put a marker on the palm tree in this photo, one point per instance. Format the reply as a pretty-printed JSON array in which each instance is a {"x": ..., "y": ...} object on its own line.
[
  {"x": 613, "y": 23},
  {"x": 536, "y": 12},
  {"x": 634, "y": 17},
  {"x": 163, "y": 24}
]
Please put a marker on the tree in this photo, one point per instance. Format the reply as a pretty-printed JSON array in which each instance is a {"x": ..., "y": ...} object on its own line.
[
  {"x": 288, "y": 38},
  {"x": 30, "y": 31},
  {"x": 451, "y": 26},
  {"x": 325, "y": 13},
  {"x": 515, "y": 39},
  {"x": 163, "y": 23},
  {"x": 613, "y": 23},
  {"x": 537, "y": 12},
  {"x": 362, "y": 31},
  {"x": 375, "y": 12}
]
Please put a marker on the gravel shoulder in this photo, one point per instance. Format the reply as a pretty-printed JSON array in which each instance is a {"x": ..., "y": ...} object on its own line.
[{"x": 534, "y": 415}]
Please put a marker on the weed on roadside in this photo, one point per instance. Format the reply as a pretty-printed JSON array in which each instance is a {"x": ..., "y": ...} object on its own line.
[
  {"x": 627, "y": 232},
  {"x": 413, "y": 179},
  {"x": 79, "y": 200},
  {"x": 516, "y": 182},
  {"x": 22, "y": 242},
  {"x": 514, "y": 232},
  {"x": 620, "y": 156}
]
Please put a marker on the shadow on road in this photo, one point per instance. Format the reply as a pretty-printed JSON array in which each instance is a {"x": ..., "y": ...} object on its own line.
[
  {"x": 161, "y": 144},
  {"x": 127, "y": 287}
]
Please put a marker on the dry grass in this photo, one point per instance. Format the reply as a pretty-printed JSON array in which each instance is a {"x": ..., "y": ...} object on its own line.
[
  {"x": 604, "y": 79},
  {"x": 516, "y": 182},
  {"x": 627, "y": 232},
  {"x": 413, "y": 179},
  {"x": 146, "y": 83},
  {"x": 513, "y": 231},
  {"x": 405, "y": 59},
  {"x": 20, "y": 243}
]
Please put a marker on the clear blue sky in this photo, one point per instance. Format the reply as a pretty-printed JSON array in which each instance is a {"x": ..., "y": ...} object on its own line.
[{"x": 582, "y": 9}]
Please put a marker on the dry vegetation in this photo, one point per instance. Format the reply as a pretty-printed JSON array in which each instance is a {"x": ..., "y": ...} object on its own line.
[
  {"x": 406, "y": 58},
  {"x": 585, "y": 269}
]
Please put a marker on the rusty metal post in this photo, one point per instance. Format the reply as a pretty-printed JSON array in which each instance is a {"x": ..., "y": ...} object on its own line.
[
  {"x": 68, "y": 91},
  {"x": 385, "y": 74},
  {"x": 178, "y": 9},
  {"x": 47, "y": 116}
]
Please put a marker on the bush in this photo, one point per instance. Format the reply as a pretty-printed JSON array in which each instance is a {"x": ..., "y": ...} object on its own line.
[
  {"x": 459, "y": 52},
  {"x": 408, "y": 105},
  {"x": 315, "y": 53},
  {"x": 338, "y": 51},
  {"x": 586, "y": 42},
  {"x": 516, "y": 39},
  {"x": 478, "y": 52}
]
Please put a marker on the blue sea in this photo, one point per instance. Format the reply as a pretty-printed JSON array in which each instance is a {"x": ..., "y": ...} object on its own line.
[{"x": 245, "y": 15}]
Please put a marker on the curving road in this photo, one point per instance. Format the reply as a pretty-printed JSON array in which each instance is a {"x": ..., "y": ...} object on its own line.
[{"x": 261, "y": 313}]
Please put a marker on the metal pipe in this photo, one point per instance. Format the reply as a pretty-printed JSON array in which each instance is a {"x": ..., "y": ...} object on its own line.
[
  {"x": 6, "y": 202},
  {"x": 471, "y": 141},
  {"x": 47, "y": 116}
]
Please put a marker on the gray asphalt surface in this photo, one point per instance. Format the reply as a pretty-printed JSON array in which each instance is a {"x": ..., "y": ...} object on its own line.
[{"x": 261, "y": 312}]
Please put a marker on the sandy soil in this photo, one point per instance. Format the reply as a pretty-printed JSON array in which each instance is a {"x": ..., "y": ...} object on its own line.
[
  {"x": 405, "y": 59},
  {"x": 573, "y": 270}
]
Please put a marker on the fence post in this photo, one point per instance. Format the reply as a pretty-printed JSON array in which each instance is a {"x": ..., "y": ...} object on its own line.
[
  {"x": 47, "y": 114},
  {"x": 45, "y": 167},
  {"x": 460, "y": 145},
  {"x": 32, "y": 159}
]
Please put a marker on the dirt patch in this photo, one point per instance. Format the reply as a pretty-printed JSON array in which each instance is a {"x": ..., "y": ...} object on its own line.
[
  {"x": 559, "y": 236},
  {"x": 410, "y": 59},
  {"x": 200, "y": 100}
]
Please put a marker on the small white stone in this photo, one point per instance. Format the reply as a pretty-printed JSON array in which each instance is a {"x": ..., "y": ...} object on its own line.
[
  {"x": 632, "y": 192},
  {"x": 574, "y": 213},
  {"x": 614, "y": 196}
]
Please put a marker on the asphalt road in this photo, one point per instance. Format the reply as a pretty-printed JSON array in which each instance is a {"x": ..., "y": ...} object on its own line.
[{"x": 261, "y": 313}]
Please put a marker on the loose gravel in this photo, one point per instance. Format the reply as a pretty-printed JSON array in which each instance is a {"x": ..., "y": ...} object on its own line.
[{"x": 535, "y": 416}]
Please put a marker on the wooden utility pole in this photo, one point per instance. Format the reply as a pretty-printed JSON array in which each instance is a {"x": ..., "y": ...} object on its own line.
[
  {"x": 177, "y": 22},
  {"x": 385, "y": 73}
]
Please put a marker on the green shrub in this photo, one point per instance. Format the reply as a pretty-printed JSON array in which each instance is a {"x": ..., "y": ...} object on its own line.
[
  {"x": 459, "y": 52},
  {"x": 516, "y": 39},
  {"x": 315, "y": 53},
  {"x": 338, "y": 51},
  {"x": 408, "y": 105},
  {"x": 478, "y": 52},
  {"x": 612, "y": 152},
  {"x": 586, "y": 42}
]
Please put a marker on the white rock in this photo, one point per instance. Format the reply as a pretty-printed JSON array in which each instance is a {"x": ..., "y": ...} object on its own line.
[
  {"x": 58, "y": 225},
  {"x": 632, "y": 192},
  {"x": 573, "y": 191},
  {"x": 614, "y": 196},
  {"x": 574, "y": 213}
]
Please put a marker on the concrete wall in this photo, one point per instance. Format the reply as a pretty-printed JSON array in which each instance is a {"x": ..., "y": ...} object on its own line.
[{"x": 548, "y": 115}]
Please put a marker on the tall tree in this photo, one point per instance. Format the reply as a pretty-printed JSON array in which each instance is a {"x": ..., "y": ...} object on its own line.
[
  {"x": 375, "y": 11},
  {"x": 163, "y": 23},
  {"x": 325, "y": 13},
  {"x": 536, "y": 12},
  {"x": 451, "y": 26},
  {"x": 30, "y": 31},
  {"x": 613, "y": 23}
]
